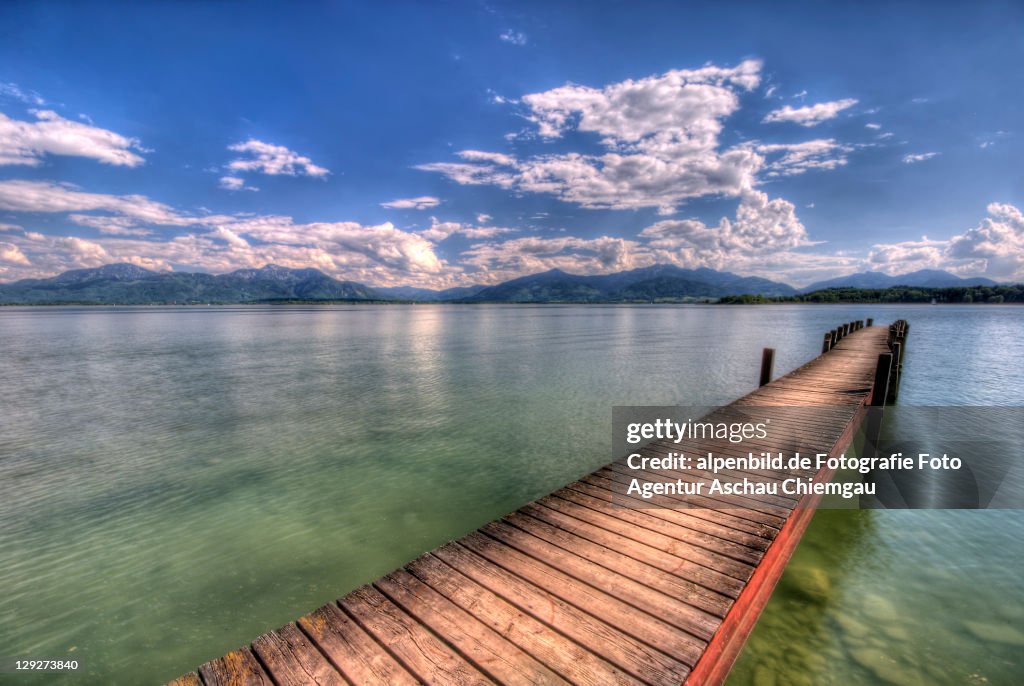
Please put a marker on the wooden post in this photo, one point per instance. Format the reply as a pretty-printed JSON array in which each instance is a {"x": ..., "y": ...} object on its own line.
[
  {"x": 767, "y": 363},
  {"x": 881, "y": 387},
  {"x": 826, "y": 344},
  {"x": 871, "y": 322},
  {"x": 879, "y": 391},
  {"x": 894, "y": 373},
  {"x": 835, "y": 338}
]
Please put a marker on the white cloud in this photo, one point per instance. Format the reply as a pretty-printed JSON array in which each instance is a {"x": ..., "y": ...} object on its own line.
[
  {"x": 381, "y": 254},
  {"x": 810, "y": 115},
  {"x": 919, "y": 157},
  {"x": 763, "y": 238},
  {"x": 46, "y": 196},
  {"x": 498, "y": 262},
  {"x": 907, "y": 256},
  {"x": 513, "y": 37},
  {"x": 266, "y": 158},
  {"x": 12, "y": 254},
  {"x": 497, "y": 158},
  {"x": 29, "y": 142},
  {"x": 235, "y": 183},
  {"x": 118, "y": 226},
  {"x": 994, "y": 248},
  {"x": 797, "y": 158},
  {"x": 483, "y": 218},
  {"x": 872, "y": 125},
  {"x": 761, "y": 226},
  {"x": 421, "y": 203},
  {"x": 27, "y": 96},
  {"x": 685, "y": 103},
  {"x": 439, "y": 230},
  {"x": 998, "y": 241},
  {"x": 660, "y": 134}
]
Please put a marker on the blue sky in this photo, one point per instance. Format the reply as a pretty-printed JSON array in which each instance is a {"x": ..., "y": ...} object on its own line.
[{"x": 446, "y": 144}]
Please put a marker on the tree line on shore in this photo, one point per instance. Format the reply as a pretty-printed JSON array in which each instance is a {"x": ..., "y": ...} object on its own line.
[{"x": 1011, "y": 293}]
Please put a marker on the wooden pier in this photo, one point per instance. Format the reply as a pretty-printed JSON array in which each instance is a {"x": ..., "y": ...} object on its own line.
[{"x": 576, "y": 588}]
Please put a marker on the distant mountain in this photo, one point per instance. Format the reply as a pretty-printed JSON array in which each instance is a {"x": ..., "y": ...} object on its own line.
[
  {"x": 126, "y": 284},
  {"x": 924, "y": 278},
  {"x": 428, "y": 295},
  {"x": 658, "y": 282}
]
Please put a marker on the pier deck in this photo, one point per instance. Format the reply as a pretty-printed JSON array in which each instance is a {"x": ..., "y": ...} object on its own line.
[{"x": 575, "y": 588}]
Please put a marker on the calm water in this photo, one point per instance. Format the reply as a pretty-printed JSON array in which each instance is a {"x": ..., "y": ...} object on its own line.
[{"x": 174, "y": 482}]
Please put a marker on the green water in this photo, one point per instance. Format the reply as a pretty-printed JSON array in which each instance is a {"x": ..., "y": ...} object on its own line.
[{"x": 174, "y": 482}]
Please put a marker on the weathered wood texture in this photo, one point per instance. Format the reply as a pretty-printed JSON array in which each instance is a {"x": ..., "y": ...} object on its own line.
[{"x": 586, "y": 585}]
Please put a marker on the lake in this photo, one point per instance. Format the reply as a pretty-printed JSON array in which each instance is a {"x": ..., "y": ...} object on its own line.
[{"x": 174, "y": 482}]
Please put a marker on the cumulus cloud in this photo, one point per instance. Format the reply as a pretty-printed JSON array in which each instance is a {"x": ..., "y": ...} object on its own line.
[
  {"x": 483, "y": 218},
  {"x": 994, "y": 248},
  {"x": 810, "y": 115},
  {"x": 423, "y": 202},
  {"x": 918, "y": 157},
  {"x": 496, "y": 262},
  {"x": 660, "y": 134},
  {"x": 761, "y": 226},
  {"x": 789, "y": 159},
  {"x": 235, "y": 183},
  {"x": 266, "y": 158},
  {"x": 29, "y": 142},
  {"x": 12, "y": 254},
  {"x": 998, "y": 242},
  {"x": 764, "y": 236}
]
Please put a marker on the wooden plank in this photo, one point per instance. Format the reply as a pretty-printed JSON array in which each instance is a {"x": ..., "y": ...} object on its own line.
[
  {"x": 743, "y": 520},
  {"x": 599, "y": 498},
  {"x": 683, "y": 528},
  {"x": 237, "y": 668},
  {"x": 500, "y": 659},
  {"x": 588, "y": 632},
  {"x": 190, "y": 679},
  {"x": 571, "y": 661},
  {"x": 429, "y": 659},
  {"x": 604, "y": 592},
  {"x": 353, "y": 651},
  {"x": 643, "y": 545},
  {"x": 293, "y": 660}
]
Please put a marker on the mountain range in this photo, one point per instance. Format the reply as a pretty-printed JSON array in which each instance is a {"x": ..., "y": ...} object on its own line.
[
  {"x": 127, "y": 284},
  {"x": 923, "y": 278}
]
